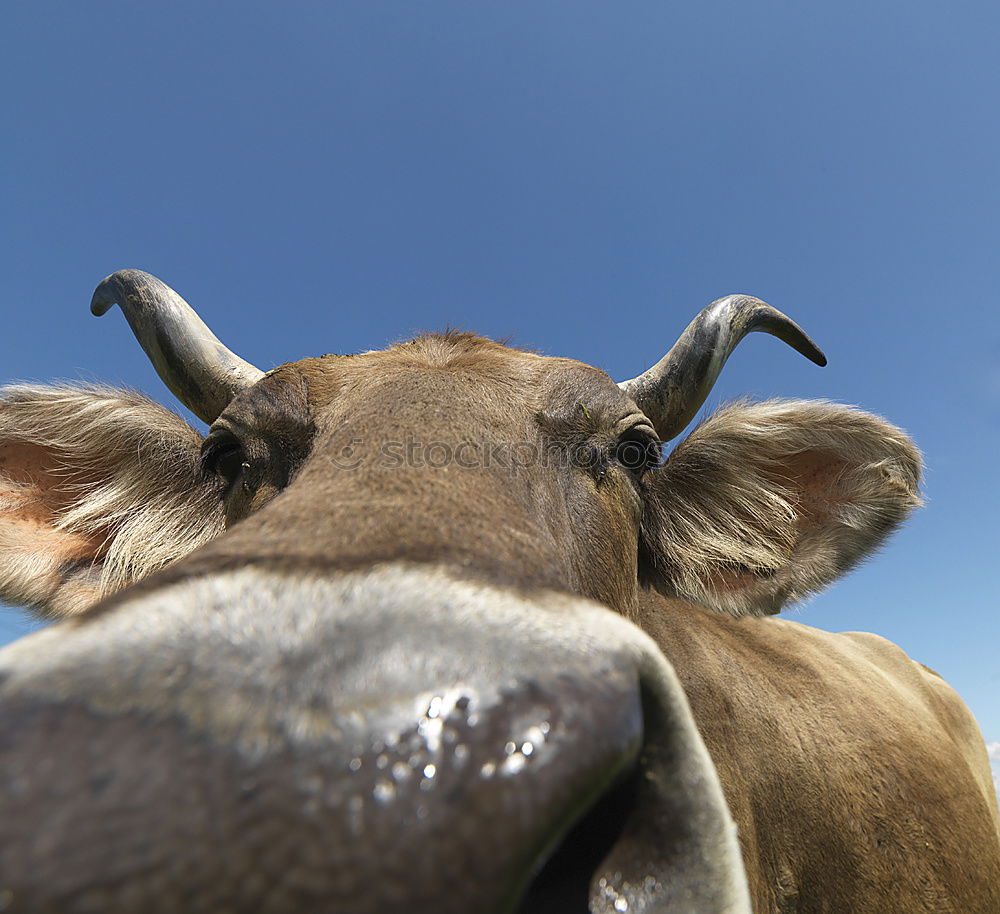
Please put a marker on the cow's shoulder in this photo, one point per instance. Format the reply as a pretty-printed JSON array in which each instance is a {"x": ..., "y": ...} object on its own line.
[{"x": 837, "y": 747}]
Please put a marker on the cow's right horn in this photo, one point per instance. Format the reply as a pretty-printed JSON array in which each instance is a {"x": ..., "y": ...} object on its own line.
[
  {"x": 674, "y": 389},
  {"x": 202, "y": 373}
]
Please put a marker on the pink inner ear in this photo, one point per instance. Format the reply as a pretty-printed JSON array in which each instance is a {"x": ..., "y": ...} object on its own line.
[
  {"x": 814, "y": 480},
  {"x": 733, "y": 580},
  {"x": 32, "y": 495},
  {"x": 33, "y": 465}
]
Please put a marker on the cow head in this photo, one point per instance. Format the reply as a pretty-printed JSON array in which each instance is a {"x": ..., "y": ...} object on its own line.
[{"x": 402, "y": 621}]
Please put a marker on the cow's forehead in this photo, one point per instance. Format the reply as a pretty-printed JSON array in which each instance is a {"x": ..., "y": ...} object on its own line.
[{"x": 547, "y": 382}]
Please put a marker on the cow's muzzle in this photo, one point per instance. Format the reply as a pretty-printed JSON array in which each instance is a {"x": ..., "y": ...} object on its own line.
[{"x": 396, "y": 740}]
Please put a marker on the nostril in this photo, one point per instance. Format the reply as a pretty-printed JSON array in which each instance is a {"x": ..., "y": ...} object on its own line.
[
  {"x": 659, "y": 837},
  {"x": 563, "y": 884}
]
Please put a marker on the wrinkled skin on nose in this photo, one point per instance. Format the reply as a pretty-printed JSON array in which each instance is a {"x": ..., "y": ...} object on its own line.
[{"x": 387, "y": 741}]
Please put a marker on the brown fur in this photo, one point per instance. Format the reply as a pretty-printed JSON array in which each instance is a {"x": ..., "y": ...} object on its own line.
[{"x": 858, "y": 779}]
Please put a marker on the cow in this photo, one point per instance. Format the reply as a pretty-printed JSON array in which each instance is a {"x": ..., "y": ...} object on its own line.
[{"x": 437, "y": 629}]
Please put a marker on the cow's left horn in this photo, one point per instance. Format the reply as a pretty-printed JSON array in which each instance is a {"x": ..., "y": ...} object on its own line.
[
  {"x": 202, "y": 373},
  {"x": 674, "y": 389}
]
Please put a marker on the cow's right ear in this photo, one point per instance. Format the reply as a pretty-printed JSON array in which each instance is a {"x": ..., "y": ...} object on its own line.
[
  {"x": 98, "y": 488},
  {"x": 765, "y": 504}
]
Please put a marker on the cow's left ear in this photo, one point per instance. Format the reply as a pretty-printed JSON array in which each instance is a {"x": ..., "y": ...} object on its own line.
[
  {"x": 765, "y": 504},
  {"x": 98, "y": 488}
]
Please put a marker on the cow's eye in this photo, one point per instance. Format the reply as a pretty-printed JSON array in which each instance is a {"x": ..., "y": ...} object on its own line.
[
  {"x": 224, "y": 456},
  {"x": 638, "y": 450}
]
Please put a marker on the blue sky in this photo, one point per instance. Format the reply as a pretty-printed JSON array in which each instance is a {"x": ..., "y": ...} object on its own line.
[{"x": 582, "y": 177}]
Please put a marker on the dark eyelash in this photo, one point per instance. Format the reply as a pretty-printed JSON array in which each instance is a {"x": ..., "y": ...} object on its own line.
[
  {"x": 217, "y": 452},
  {"x": 638, "y": 453}
]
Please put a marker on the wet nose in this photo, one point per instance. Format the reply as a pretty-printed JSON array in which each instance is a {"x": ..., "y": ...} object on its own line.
[{"x": 388, "y": 741}]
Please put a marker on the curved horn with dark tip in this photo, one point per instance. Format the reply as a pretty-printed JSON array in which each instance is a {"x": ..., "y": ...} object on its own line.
[
  {"x": 674, "y": 389},
  {"x": 202, "y": 373}
]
